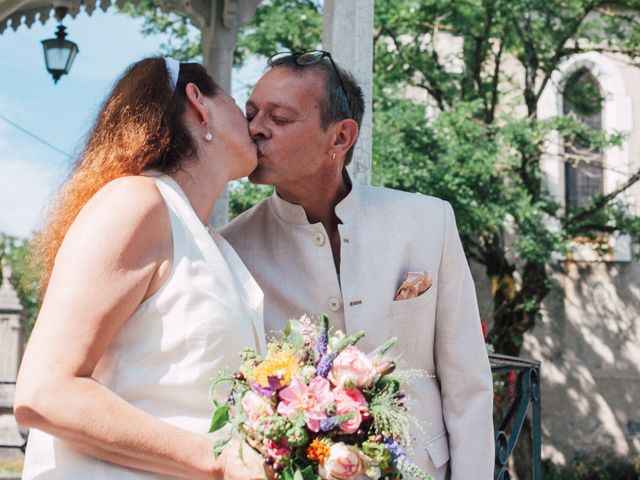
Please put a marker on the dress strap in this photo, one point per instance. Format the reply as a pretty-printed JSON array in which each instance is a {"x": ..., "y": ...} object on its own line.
[{"x": 216, "y": 252}]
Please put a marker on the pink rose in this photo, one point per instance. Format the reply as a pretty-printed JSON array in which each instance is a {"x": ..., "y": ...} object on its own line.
[
  {"x": 352, "y": 368},
  {"x": 276, "y": 450},
  {"x": 343, "y": 463},
  {"x": 256, "y": 407},
  {"x": 350, "y": 401}
]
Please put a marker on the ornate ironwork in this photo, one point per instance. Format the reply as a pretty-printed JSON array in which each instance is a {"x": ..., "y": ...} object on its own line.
[{"x": 526, "y": 396}]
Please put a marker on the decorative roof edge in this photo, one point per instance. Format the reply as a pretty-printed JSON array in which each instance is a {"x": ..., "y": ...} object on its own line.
[
  {"x": 32, "y": 11},
  {"x": 44, "y": 11}
]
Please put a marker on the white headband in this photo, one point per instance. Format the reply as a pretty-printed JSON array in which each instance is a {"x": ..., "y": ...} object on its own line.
[{"x": 173, "y": 68}]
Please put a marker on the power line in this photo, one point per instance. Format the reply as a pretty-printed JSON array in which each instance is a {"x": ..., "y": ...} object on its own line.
[{"x": 34, "y": 136}]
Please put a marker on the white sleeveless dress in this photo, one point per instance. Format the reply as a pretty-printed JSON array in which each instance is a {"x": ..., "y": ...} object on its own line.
[{"x": 163, "y": 359}]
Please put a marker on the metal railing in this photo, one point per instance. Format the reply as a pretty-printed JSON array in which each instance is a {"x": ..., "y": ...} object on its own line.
[
  {"x": 21, "y": 446},
  {"x": 526, "y": 395}
]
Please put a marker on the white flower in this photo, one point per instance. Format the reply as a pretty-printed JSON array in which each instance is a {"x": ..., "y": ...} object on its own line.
[{"x": 343, "y": 463}]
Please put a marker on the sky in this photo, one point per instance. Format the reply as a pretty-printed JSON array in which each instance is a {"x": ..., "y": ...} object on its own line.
[{"x": 62, "y": 113}]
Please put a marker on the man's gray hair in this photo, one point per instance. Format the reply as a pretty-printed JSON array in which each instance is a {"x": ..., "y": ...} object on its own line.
[{"x": 334, "y": 106}]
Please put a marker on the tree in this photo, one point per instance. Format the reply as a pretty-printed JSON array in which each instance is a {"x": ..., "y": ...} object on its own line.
[
  {"x": 14, "y": 252},
  {"x": 477, "y": 141},
  {"x": 485, "y": 157}
]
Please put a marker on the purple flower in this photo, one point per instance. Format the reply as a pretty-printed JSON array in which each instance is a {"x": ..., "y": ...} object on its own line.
[
  {"x": 325, "y": 364},
  {"x": 394, "y": 448},
  {"x": 266, "y": 392},
  {"x": 329, "y": 423},
  {"x": 275, "y": 384},
  {"x": 323, "y": 339}
]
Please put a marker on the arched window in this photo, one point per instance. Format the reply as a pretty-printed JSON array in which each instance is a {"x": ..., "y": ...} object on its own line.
[{"x": 583, "y": 165}]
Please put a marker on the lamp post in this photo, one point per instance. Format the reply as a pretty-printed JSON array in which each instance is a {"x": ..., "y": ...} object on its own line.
[{"x": 59, "y": 53}]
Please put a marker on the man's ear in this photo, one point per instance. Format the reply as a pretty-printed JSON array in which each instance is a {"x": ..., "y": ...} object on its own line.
[
  {"x": 346, "y": 134},
  {"x": 194, "y": 99}
]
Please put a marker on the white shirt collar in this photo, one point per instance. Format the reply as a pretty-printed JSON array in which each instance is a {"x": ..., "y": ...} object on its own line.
[{"x": 295, "y": 214}]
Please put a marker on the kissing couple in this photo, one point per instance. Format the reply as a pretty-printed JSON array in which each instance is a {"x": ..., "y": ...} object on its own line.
[{"x": 144, "y": 300}]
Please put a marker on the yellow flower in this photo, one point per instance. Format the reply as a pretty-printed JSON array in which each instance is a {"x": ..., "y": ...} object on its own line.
[{"x": 282, "y": 364}]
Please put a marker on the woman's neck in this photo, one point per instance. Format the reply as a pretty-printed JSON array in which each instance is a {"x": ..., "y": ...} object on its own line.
[{"x": 202, "y": 185}]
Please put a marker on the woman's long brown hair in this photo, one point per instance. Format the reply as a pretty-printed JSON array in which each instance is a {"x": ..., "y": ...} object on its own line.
[{"x": 139, "y": 127}]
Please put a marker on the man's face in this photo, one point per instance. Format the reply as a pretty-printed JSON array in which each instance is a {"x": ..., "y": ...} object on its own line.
[{"x": 284, "y": 121}]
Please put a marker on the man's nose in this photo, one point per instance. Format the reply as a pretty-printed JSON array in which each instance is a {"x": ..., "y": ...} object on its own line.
[{"x": 257, "y": 128}]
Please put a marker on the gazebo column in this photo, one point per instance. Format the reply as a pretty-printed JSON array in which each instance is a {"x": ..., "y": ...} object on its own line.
[
  {"x": 219, "y": 37},
  {"x": 348, "y": 35}
]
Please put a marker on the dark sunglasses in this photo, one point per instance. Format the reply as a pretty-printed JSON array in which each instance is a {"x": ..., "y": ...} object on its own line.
[{"x": 309, "y": 58}]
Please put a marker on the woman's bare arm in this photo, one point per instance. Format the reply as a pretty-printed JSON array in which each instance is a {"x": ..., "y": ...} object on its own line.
[{"x": 116, "y": 253}]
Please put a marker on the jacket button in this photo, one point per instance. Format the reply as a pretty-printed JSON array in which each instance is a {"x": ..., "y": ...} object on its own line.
[
  {"x": 334, "y": 304},
  {"x": 318, "y": 239}
]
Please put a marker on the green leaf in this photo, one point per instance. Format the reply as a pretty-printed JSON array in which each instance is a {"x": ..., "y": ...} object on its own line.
[
  {"x": 293, "y": 334},
  {"x": 220, "y": 418},
  {"x": 287, "y": 474},
  {"x": 298, "y": 475},
  {"x": 309, "y": 474},
  {"x": 219, "y": 445}
]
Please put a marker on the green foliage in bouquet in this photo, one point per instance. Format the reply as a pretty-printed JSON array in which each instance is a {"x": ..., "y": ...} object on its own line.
[{"x": 315, "y": 406}]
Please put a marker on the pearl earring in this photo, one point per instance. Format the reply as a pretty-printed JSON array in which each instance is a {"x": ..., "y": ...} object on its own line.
[{"x": 207, "y": 136}]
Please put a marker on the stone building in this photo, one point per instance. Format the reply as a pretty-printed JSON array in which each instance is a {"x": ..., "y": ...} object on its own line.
[{"x": 589, "y": 337}]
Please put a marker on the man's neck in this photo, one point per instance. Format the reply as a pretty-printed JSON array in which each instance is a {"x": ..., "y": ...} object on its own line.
[{"x": 318, "y": 199}]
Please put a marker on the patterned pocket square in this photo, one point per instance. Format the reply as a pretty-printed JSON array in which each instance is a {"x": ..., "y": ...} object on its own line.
[{"x": 414, "y": 285}]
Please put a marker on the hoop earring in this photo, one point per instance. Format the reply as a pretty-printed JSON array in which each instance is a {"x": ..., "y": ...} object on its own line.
[{"x": 207, "y": 136}]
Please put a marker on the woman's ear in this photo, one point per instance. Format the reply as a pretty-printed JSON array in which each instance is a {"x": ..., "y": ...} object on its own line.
[{"x": 195, "y": 101}]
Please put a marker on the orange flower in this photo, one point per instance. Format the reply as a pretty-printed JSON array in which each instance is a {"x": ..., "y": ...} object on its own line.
[{"x": 317, "y": 451}]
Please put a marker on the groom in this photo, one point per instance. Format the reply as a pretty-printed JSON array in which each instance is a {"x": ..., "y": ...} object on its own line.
[{"x": 322, "y": 243}]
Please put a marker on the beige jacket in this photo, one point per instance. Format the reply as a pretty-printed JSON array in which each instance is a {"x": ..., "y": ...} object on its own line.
[{"x": 386, "y": 233}]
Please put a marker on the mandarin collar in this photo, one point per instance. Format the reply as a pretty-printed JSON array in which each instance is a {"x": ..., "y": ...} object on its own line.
[{"x": 295, "y": 214}]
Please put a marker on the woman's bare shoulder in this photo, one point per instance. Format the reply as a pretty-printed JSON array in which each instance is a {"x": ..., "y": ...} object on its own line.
[{"x": 127, "y": 216}]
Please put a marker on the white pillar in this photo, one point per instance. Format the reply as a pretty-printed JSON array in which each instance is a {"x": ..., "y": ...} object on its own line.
[
  {"x": 348, "y": 35},
  {"x": 12, "y": 316},
  {"x": 219, "y": 37}
]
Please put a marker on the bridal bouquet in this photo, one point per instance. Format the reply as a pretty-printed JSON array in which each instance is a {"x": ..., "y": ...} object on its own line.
[{"x": 317, "y": 407}]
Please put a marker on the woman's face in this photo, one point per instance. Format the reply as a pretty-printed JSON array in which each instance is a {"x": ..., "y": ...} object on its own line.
[{"x": 230, "y": 132}]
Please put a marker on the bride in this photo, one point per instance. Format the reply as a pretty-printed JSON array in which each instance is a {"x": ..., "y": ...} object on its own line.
[{"x": 144, "y": 301}]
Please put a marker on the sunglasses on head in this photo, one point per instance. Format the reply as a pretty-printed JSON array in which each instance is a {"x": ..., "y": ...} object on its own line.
[{"x": 310, "y": 58}]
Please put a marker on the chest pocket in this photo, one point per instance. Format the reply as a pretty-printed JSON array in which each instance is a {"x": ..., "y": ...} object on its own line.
[{"x": 420, "y": 305}]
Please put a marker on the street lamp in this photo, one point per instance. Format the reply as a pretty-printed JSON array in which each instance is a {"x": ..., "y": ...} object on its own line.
[{"x": 59, "y": 53}]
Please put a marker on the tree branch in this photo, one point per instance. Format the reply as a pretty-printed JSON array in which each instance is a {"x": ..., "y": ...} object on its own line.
[
  {"x": 603, "y": 201},
  {"x": 494, "y": 84},
  {"x": 560, "y": 49}
]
